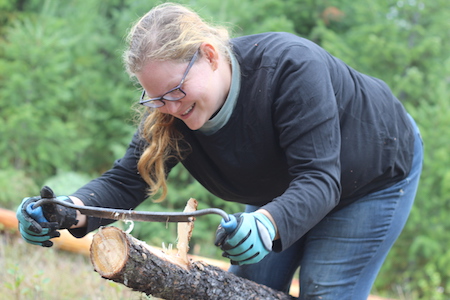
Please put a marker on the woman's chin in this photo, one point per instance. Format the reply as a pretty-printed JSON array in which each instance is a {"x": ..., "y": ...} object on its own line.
[{"x": 193, "y": 125}]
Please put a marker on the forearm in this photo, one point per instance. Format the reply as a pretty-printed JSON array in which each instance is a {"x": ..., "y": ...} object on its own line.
[{"x": 80, "y": 218}]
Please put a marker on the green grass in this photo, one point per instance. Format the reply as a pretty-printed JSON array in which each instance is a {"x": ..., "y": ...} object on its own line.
[{"x": 33, "y": 272}]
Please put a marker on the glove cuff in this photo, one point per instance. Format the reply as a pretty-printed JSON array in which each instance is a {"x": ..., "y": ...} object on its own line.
[
  {"x": 71, "y": 214},
  {"x": 267, "y": 223},
  {"x": 65, "y": 217}
]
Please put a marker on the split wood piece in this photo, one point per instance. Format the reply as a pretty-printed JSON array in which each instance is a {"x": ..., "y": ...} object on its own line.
[
  {"x": 122, "y": 258},
  {"x": 184, "y": 232}
]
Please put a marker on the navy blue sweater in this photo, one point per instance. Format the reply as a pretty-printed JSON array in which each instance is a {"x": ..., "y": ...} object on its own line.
[{"x": 308, "y": 135}]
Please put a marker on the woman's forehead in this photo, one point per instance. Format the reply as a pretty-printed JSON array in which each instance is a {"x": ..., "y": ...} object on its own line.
[{"x": 160, "y": 76}]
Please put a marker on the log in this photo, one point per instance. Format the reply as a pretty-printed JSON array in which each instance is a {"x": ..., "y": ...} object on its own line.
[
  {"x": 8, "y": 219},
  {"x": 119, "y": 257},
  {"x": 65, "y": 242}
]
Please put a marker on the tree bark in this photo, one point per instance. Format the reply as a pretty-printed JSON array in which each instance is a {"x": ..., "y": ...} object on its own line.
[{"x": 120, "y": 257}]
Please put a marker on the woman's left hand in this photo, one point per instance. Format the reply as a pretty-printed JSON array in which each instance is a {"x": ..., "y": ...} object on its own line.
[{"x": 250, "y": 241}]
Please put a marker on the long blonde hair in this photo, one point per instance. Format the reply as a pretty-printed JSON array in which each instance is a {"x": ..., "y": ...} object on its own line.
[{"x": 167, "y": 32}]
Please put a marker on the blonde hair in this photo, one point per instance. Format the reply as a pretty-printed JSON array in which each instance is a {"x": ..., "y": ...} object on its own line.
[{"x": 167, "y": 32}]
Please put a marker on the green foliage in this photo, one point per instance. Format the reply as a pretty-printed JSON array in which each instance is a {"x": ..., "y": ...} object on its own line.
[
  {"x": 246, "y": 17},
  {"x": 424, "y": 269},
  {"x": 406, "y": 44},
  {"x": 67, "y": 182},
  {"x": 65, "y": 105},
  {"x": 53, "y": 111},
  {"x": 14, "y": 186}
]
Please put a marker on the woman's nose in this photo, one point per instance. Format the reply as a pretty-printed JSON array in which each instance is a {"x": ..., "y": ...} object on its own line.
[{"x": 171, "y": 107}]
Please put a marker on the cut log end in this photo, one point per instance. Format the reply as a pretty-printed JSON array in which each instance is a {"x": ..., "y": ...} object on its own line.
[{"x": 109, "y": 252}]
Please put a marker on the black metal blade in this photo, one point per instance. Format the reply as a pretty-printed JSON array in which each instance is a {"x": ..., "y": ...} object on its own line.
[{"x": 123, "y": 214}]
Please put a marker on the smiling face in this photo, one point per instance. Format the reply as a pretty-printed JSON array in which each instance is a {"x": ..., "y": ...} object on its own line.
[{"x": 206, "y": 85}]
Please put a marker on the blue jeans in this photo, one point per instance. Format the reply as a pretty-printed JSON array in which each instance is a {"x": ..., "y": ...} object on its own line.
[{"x": 341, "y": 256}]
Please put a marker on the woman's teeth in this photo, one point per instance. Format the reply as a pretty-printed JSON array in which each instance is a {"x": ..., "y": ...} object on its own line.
[{"x": 188, "y": 110}]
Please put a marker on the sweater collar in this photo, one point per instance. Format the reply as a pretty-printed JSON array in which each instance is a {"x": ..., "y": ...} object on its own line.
[{"x": 221, "y": 118}]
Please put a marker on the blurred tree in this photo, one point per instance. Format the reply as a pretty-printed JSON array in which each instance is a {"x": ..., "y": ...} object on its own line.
[
  {"x": 63, "y": 92},
  {"x": 65, "y": 102},
  {"x": 406, "y": 43},
  {"x": 245, "y": 17}
]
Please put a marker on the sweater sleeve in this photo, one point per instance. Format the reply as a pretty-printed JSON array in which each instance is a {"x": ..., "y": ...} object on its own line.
[
  {"x": 307, "y": 120},
  {"x": 120, "y": 187}
]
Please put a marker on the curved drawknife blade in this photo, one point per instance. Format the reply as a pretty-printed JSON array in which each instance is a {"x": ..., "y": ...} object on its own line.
[{"x": 123, "y": 214}]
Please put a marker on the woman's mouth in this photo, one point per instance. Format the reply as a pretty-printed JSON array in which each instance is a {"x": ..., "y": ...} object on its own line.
[{"x": 188, "y": 110}]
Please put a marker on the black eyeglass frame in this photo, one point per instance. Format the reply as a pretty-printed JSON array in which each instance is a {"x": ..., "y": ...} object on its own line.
[{"x": 159, "y": 101}]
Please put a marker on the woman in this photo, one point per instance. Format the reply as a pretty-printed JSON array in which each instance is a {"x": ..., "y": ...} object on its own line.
[{"x": 326, "y": 158}]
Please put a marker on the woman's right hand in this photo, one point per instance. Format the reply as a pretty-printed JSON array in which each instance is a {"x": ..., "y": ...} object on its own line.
[{"x": 38, "y": 225}]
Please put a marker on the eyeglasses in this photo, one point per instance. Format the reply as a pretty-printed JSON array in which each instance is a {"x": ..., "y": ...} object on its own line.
[{"x": 173, "y": 95}]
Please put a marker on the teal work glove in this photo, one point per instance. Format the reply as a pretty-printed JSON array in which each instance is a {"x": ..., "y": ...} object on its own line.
[
  {"x": 38, "y": 225},
  {"x": 249, "y": 242}
]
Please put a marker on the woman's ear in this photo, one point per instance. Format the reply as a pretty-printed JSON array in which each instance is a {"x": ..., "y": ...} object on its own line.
[{"x": 211, "y": 55}]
